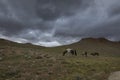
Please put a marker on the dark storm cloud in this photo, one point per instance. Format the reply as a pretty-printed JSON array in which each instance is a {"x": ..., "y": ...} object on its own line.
[
  {"x": 101, "y": 21},
  {"x": 52, "y": 9},
  {"x": 56, "y": 22},
  {"x": 109, "y": 29},
  {"x": 11, "y": 27},
  {"x": 114, "y": 10}
]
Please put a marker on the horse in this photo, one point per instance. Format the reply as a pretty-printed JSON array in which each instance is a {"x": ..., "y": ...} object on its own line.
[
  {"x": 85, "y": 54},
  {"x": 73, "y": 52},
  {"x": 95, "y": 54}
]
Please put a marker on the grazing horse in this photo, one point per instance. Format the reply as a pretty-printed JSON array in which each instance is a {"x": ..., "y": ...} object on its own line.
[
  {"x": 73, "y": 52},
  {"x": 85, "y": 54},
  {"x": 95, "y": 54}
]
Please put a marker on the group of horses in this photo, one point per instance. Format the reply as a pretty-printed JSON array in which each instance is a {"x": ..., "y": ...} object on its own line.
[{"x": 73, "y": 52}]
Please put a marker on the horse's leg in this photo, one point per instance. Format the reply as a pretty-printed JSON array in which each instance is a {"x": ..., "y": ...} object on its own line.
[
  {"x": 85, "y": 54},
  {"x": 75, "y": 52},
  {"x": 64, "y": 52},
  {"x": 72, "y": 52}
]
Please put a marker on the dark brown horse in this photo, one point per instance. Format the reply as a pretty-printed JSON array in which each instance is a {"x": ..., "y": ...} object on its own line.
[
  {"x": 95, "y": 54},
  {"x": 73, "y": 52}
]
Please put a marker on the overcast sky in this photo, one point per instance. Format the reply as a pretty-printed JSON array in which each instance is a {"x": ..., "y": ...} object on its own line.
[{"x": 58, "y": 22}]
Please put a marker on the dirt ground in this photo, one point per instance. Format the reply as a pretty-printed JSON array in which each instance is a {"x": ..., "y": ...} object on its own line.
[{"x": 114, "y": 76}]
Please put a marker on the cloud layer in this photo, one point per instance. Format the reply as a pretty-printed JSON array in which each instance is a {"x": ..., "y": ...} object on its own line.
[{"x": 58, "y": 22}]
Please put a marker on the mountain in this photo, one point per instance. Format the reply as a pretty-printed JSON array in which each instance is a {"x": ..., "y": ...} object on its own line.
[
  {"x": 4, "y": 42},
  {"x": 101, "y": 45}
]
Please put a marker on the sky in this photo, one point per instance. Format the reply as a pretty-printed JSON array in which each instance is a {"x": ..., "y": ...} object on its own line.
[{"x": 59, "y": 22}]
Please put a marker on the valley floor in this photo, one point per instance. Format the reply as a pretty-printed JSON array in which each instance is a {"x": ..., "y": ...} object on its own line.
[{"x": 30, "y": 64}]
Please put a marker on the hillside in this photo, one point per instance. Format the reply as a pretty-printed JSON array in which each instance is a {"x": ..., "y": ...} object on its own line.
[
  {"x": 100, "y": 45},
  {"x": 30, "y": 62},
  {"x": 7, "y": 43}
]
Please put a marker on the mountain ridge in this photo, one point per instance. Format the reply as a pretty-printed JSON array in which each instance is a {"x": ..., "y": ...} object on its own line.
[{"x": 90, "y": 39}]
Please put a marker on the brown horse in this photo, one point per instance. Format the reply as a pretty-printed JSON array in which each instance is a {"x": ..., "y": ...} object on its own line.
[{"x": 95, "y": 54}]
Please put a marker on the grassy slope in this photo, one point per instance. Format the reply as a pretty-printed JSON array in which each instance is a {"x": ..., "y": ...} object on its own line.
[
  {"x": 28, "y": 62},
  {"x": 102, "y": 46}
]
